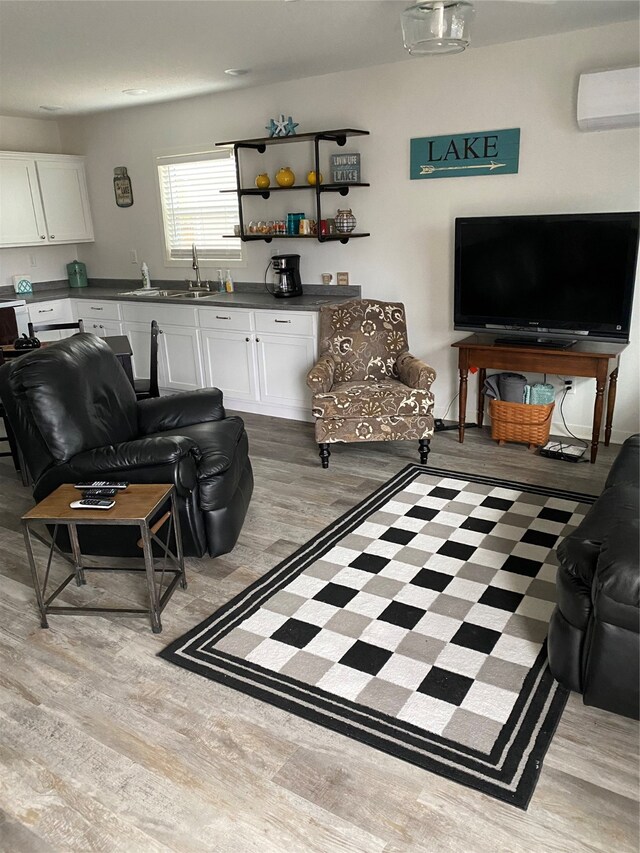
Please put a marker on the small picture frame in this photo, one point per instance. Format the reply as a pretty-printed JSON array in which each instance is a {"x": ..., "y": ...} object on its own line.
[
  {"x": 342, "y": 279},
  {"x": 345, "y": 168}
]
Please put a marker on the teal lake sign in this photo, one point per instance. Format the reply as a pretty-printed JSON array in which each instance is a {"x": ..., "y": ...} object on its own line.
[{"x": 487, "y": 152}]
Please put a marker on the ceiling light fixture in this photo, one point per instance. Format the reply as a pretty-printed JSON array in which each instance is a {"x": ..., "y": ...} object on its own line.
[
  {"x": 236, "y": 72},
  {"x": 437, "y": 27},
  {"x": 135, "y": 92}
]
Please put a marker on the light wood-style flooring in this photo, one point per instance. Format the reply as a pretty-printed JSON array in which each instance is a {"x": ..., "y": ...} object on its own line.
[{"x": 105, "y": 747}]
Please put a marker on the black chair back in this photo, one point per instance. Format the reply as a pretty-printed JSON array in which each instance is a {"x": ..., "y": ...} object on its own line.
[
  {"x": 52, "y": 327},
  {"x": 146, "y": 388}
]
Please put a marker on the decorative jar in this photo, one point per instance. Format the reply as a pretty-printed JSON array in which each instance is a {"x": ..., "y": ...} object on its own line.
[
  {"x": 345, "y": 221},
  {"x": 263, "y": 181},
  {"x": 313, "y": 179},
  {"x": 285, "y": 177}
]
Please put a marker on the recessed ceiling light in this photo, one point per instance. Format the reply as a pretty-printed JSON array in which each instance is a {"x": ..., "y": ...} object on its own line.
[
  {"x": 135, "y": 92},
  {"x": 236, "y": 72},
  {"x": 50, "y": 108}
]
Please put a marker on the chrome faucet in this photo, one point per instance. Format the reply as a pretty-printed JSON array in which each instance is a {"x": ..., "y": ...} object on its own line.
[{"x": 194, "y": 263}]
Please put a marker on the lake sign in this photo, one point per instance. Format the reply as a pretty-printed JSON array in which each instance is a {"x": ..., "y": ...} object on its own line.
[{"x": 487, "y": 152}]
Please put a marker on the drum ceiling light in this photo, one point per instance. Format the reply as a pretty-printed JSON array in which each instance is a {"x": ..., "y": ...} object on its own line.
[{"x": 437, "y": 27}]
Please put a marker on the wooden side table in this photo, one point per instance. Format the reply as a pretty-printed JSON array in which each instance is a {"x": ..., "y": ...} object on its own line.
[
  {"x": 137, "y": 505},
  {"x": 584, "y": 358}
]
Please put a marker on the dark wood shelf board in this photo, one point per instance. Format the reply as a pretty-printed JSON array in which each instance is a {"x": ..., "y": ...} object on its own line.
[{"x": 298, "y": 137}]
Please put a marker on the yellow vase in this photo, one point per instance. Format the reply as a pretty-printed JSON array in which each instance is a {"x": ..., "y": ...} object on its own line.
[
  {"x": 311, "y": 178},
  {"x": 285, "y": 177},
  {"x": 262, "y": 181}
]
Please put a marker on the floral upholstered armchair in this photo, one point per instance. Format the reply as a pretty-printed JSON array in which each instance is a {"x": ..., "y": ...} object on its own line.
[{"x": 366, "y": 385}]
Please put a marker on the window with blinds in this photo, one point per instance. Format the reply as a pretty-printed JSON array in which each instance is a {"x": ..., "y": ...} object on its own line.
[{"x": 194, "y": 210}]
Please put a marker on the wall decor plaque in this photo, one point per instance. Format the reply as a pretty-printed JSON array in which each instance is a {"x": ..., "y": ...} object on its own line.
[
  {"x": 462, "y": 155},
  {"x": 345, "y": 168},
  {"x": 122, "y": 187}
]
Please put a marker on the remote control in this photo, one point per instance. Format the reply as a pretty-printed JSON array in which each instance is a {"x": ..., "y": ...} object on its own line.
[
  {"x": 99, "y": 493},
  {"x": 101, "y": 484},
  {"x": 92, "y": 503}
]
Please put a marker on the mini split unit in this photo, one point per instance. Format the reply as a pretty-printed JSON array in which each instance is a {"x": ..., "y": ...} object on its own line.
[{"x": 609, "y": 99}]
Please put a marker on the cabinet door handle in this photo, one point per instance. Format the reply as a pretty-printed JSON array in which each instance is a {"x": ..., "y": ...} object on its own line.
[
  {"x": 45, "y": 310},
  {"x": 282, "y": 321},
  {"x": 43, "y": 237},
  {"x": 220, "y": 317},
  {"x": 101, "y": 326},
  {"x": 257, "y": 340},
  {"x": 161, "y": 331},
  {"x": 95, "y": 326},
  {"x": 247, "y": 339},
  {"x": 52, "y": 236},
  {"x": 96, "y": 308}
]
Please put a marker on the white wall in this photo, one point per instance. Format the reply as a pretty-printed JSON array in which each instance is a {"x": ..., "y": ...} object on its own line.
[
  {"x": 529, "y": 84},
  {"x": 43, "y": 137}
]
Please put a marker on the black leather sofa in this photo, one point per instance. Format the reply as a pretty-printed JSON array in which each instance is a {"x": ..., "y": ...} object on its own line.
[
  {"x": 76, "y": 418},
  {"x": 594, "y": 639}
]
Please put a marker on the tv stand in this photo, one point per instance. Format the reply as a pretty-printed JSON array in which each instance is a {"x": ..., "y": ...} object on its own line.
[
  {"x": 548, "y": 343},
  {"x": 585, "y": 358}
]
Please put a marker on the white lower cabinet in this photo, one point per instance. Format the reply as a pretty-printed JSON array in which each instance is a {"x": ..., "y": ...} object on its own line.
[
  {"x": 179, "y": 359},
  {"x": 283, "y": 362},
  {"x": 100, "y": 317},
  {"x": 46, "y": 313},
  {"x": 260, "y": 359},
  {"x": 230, "y": 363},
  {"x": 179, "y": 362}
]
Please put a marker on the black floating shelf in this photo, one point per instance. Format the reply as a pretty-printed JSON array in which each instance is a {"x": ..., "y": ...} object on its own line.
[
  {"x": 339, "y": 136},
  {"x": 323, "y": 238}
]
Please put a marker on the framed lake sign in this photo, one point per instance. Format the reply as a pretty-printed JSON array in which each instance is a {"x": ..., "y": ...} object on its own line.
[{"x": 462, "y": 155}]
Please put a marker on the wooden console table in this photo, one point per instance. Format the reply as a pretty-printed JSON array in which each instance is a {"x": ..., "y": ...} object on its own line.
[{"x": 584, "y": 358}]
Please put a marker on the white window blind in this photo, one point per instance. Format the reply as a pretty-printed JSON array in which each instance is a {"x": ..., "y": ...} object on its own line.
[{"x": 194, "y": 210}]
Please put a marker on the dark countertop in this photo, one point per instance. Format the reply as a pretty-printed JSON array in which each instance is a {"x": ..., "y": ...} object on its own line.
[{"x": 239, "y": 299}]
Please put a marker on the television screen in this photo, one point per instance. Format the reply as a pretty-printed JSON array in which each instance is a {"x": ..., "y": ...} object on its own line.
[{"x": 563, "y": 275}]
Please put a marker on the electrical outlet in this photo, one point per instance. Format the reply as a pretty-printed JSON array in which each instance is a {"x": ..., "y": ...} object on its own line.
[
  {"x": 133, "y": 256},
  {"x": 569, "y": 385}
]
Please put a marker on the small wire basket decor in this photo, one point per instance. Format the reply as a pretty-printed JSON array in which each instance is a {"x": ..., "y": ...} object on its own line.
[{"x": 520, "y": 422}]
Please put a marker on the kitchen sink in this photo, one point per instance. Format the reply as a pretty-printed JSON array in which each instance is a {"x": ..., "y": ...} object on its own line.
[{"x": 190, "y": 294}]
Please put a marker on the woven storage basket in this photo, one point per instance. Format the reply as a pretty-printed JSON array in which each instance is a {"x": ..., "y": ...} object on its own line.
[{"x": 521, "y": 422}]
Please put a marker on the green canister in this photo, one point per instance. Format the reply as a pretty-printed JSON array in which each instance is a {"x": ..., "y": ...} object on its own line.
[{"x": 77, "y": 273}]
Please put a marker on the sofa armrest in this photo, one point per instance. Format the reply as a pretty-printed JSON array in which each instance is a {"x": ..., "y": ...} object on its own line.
[
  {"x": 160, "y": 414},
  {"x": 320, "y": 377},
  {"x": 163, "y": 459},
  {"x": 140, "y": 453},
  {"x": 414, "y": 372}
]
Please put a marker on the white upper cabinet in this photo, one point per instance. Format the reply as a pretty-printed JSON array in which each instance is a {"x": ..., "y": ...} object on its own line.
[{"x": 43, "y": 199}]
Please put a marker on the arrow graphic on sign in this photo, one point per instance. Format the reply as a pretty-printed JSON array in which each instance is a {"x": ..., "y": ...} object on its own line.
[{"x": 428, "y": 170}]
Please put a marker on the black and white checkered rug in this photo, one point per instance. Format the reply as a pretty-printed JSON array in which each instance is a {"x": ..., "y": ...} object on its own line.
[{"x": 416, "y": 623}]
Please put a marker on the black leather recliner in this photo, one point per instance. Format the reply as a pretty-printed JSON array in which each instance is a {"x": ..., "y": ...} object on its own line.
[
  {"x": 76, "y": 418},
  {"x": 594, "y": 633}
]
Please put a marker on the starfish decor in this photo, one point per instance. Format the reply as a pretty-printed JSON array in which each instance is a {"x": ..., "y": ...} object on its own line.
[{"x": 281, "y": 126}]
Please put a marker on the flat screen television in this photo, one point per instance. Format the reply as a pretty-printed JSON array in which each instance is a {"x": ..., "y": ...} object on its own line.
[{"x": 549, "y": 279}]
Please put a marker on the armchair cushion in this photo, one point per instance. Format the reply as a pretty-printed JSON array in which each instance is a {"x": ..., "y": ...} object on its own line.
[
  {"x": 160, "y": 414},
  {"x": 389, "y": 398},
  {"x": 142, "y": 453},
  {"x": 365, "y": 338}
]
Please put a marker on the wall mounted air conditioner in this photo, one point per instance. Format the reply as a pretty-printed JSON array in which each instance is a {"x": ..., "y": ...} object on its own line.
[{"x": 609, "y": 99}]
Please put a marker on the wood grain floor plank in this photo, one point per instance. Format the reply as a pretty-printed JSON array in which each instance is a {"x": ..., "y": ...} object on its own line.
[{"x": 104, "y": 746}]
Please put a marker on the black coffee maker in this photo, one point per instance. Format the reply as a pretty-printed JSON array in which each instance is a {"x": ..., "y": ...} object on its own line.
[{"x": 287, "y": 275}]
